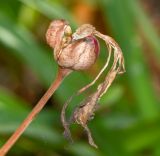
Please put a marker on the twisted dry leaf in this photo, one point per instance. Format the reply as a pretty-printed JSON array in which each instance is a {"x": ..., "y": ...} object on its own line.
[{"x": 86, "y": 110}]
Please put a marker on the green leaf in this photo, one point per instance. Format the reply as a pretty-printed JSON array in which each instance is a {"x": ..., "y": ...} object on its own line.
[
  {"x": 112, "y": 96},
  {"x": 24, "y": 46},
  {"x": 142, "y": 138},
  {"x": 10, "y": 119},
  {"x": 125, "y": 30},
  {"x": 77, "y": 149},
  {"x": 51, "y": 9},
  {"x": 146, "y": 27}
]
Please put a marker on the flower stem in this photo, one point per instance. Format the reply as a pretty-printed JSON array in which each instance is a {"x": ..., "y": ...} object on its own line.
[{"x": 62, "y": 73}]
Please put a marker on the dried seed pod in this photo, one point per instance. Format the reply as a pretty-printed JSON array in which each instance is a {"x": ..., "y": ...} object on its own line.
[{"x": 80, "y": 54}]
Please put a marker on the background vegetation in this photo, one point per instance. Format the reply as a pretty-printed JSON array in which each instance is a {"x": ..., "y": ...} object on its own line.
[{"x": 127, "y": 123}]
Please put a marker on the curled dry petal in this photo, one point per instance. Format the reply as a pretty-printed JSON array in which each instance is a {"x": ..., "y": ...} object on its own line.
[
  {"x": 84, "y": 31},
  {"x": 80, "y": 54},
  {"x": 58, "y": 35},
  {"x": 55, "y": 32}
]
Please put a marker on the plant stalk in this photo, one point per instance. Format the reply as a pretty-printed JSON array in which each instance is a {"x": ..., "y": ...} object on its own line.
[{"x": 62, "y": 73}]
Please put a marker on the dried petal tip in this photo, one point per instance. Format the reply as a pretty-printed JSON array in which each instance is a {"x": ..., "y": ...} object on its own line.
[
  {"x": 83, "y": 31},
  {"x": 55, "y": 32}
]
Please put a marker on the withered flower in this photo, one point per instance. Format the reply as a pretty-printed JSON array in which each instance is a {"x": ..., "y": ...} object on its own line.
[
  {"x": 79, "y": 51},
  {"x": 69, "y": 52}
]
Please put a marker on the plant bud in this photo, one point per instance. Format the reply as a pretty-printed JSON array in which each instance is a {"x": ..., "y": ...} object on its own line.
[
  {"x": 79, "y": 54},
  {"x": 55, "y": 32}
]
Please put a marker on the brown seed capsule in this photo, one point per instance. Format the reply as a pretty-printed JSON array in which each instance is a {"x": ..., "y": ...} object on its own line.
[{"x": 80, "y": 54}]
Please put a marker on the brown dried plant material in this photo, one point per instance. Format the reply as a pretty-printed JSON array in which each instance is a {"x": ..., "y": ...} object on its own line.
[
  {"x": 58, "y": 35},
  {"x": 55, "y": 33},
  {"x": 86, "y": 110},
  {"x": 80, "y": 54},
  {"x": 68, "y": 52},
  {"x": 77, "y": 51},
  {"x": 70, "y": 55}
]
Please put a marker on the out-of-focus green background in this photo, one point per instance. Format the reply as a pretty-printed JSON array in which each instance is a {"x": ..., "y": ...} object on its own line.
[{"x": 127, "y": 122}]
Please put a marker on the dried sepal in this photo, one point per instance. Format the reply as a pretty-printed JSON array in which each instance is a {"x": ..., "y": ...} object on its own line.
[
  {"x": 81, "y": 116},
  {"x": 99, "y": 74},
  {"x": 64, "y": 121},
  {"x": 83, "y": 31},
  {"x": 86, "y": 110},
  {"x": 116, "y": 49},
  {"x": 111, "y": 44},
  {"x": 90, "y": 138}
]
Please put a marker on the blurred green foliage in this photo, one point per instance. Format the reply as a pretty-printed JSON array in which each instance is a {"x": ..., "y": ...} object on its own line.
[{"x": 127, "y": 122}]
